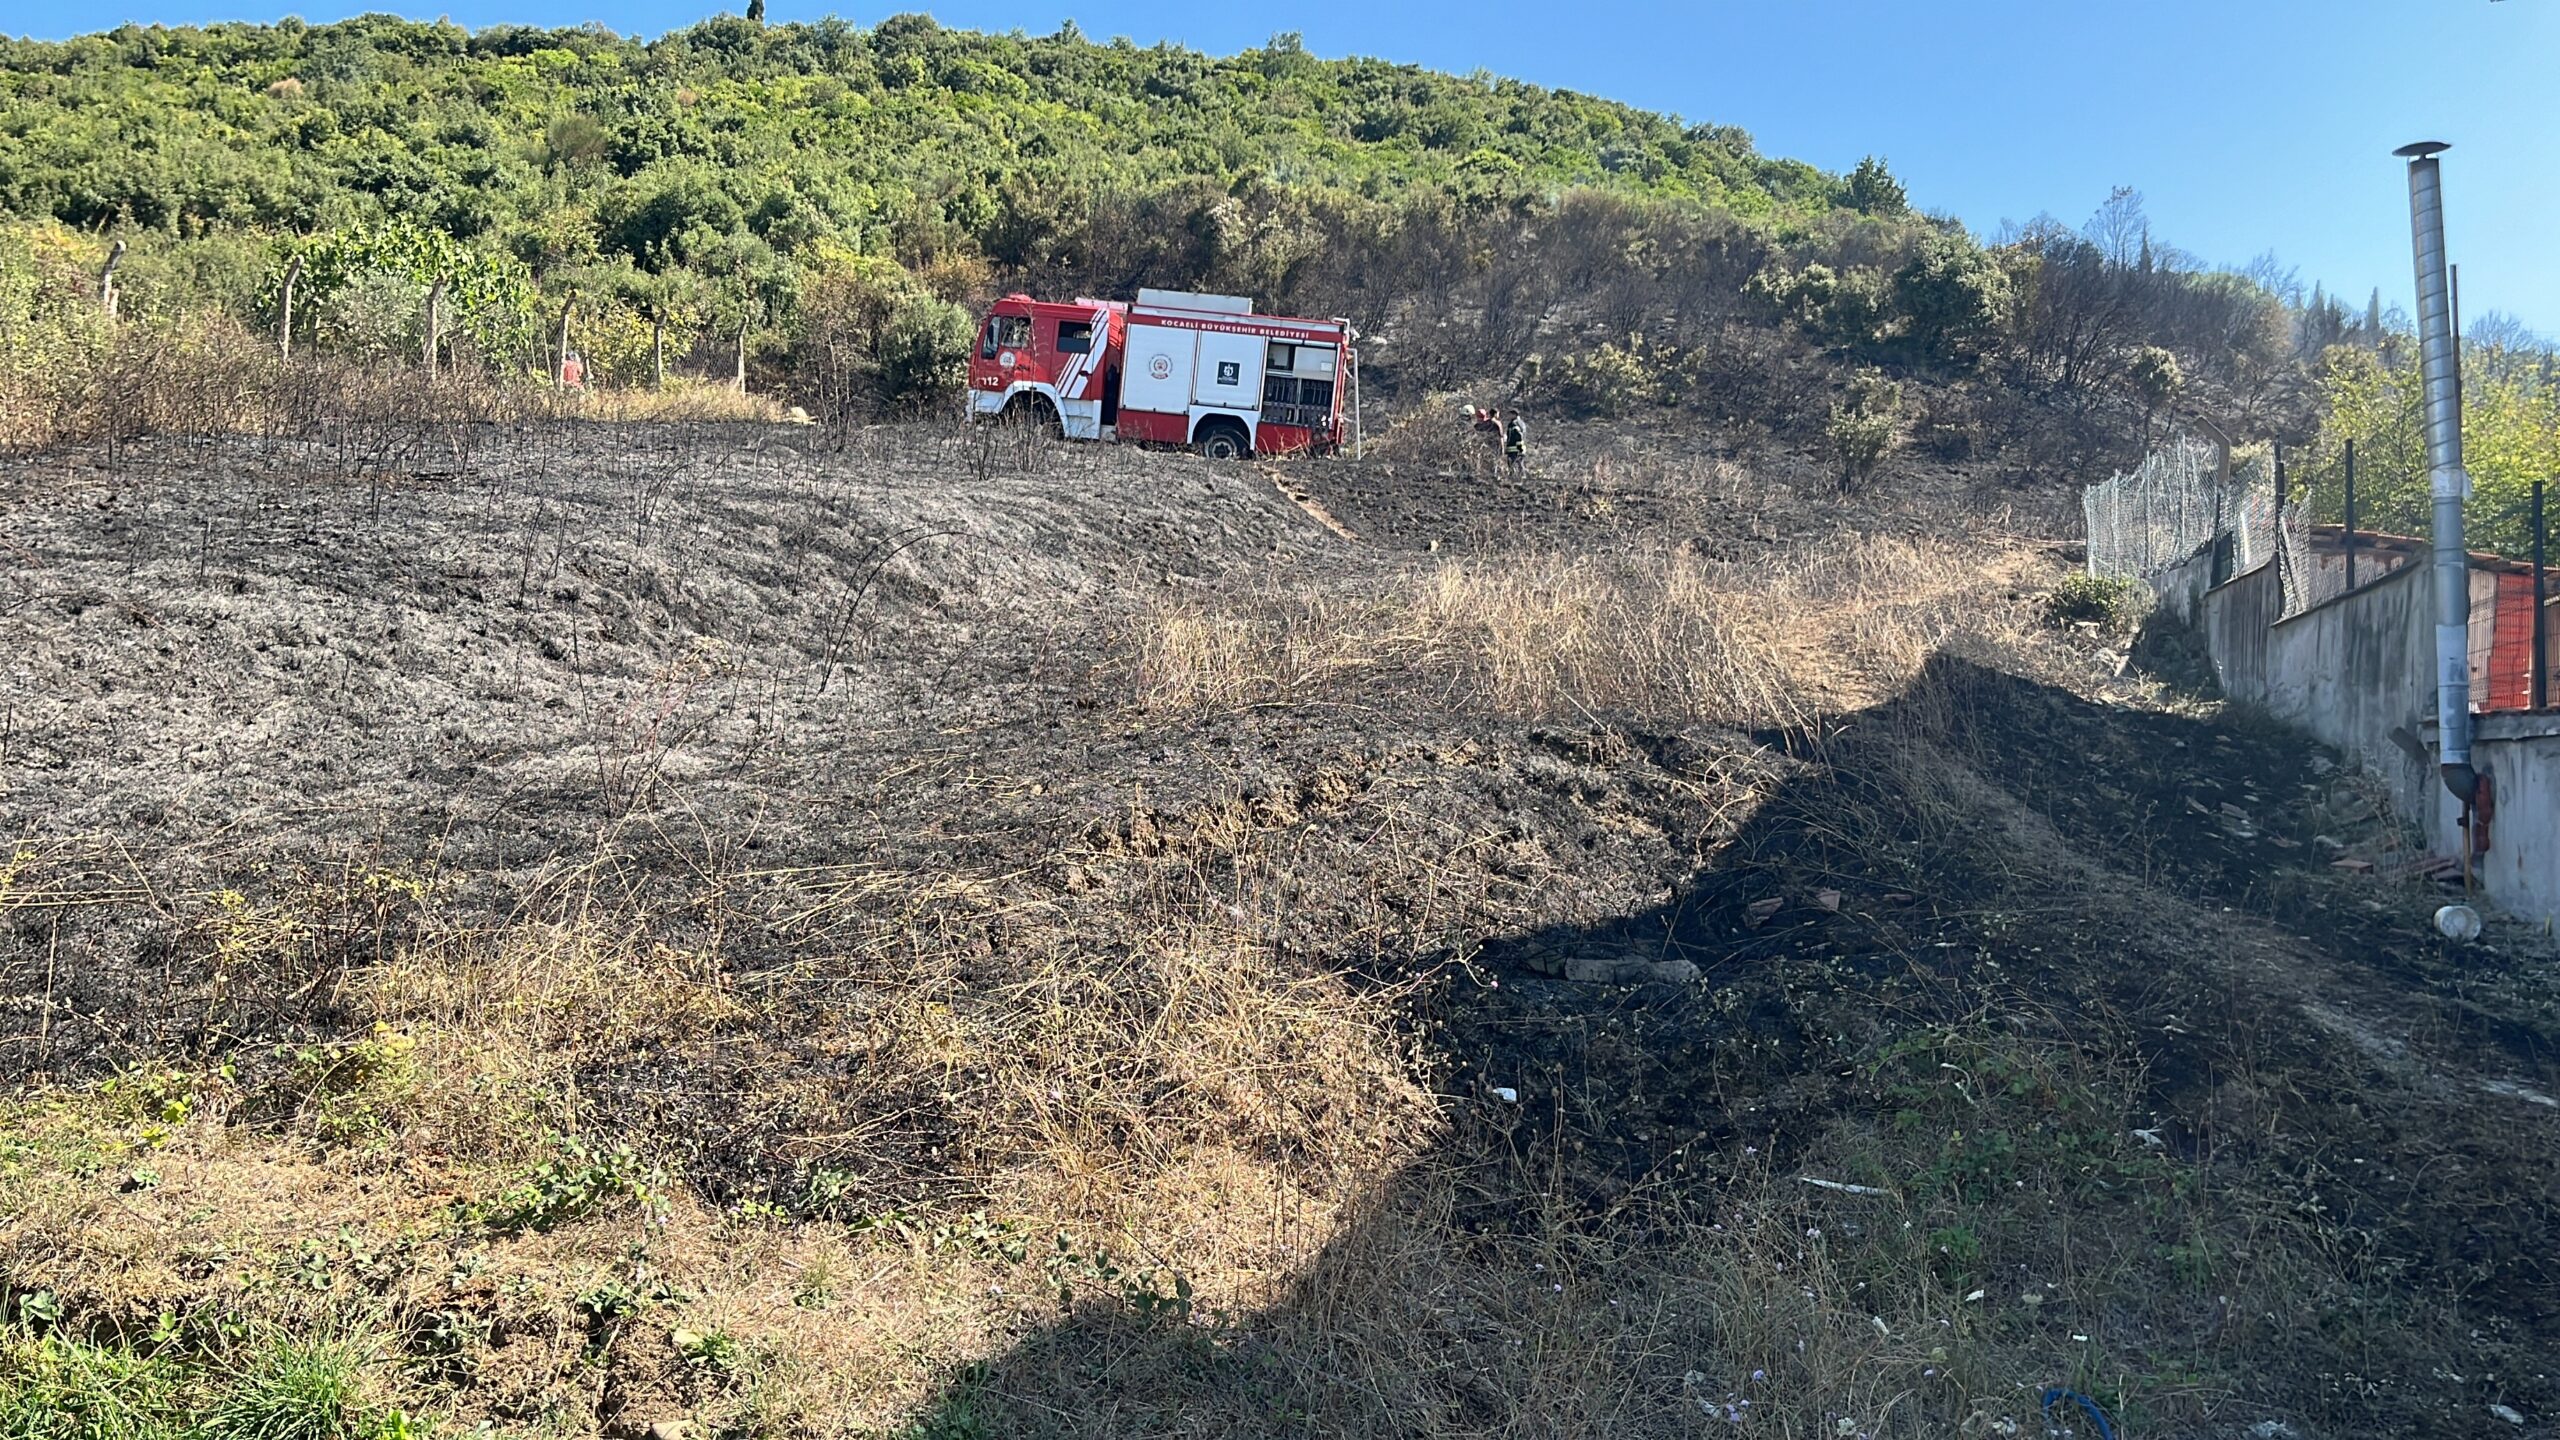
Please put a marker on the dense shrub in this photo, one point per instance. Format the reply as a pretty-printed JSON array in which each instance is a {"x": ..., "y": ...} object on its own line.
[
  {"x": 2107, "y": 601},
  {"x": 1865, "y": 426},
  {"x": 924, "y": 350},
  {"x": 1848, "y": 309},
  {"x": 1953, "y": 298},
  {"x": 1610, "y": 379},
  {"x": 870, "y": 334}
]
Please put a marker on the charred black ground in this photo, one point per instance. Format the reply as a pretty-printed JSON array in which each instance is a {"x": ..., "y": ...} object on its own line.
[{"x": 2049, "y": 959}]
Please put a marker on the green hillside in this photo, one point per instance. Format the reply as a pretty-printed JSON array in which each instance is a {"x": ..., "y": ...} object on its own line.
[
  {"x": 818, "y": 206},
  {"x": 794, "y": 134},
  {"x": 820, "y": 201},
  {"x": 702, "y": 177}
]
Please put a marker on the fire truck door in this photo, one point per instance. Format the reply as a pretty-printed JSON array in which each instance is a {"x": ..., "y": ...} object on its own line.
[{"x": 1230, "y": 373}]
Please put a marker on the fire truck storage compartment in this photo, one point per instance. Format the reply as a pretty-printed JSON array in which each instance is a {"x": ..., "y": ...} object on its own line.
[
  {"x": 1229, "y": 376},
  {"x": 1158, "y": 374},
  {"x": 1297, "y": 388}
]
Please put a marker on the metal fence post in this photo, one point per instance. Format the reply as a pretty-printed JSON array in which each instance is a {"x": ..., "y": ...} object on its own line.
[
  {"x": 2351, "y": 512},
  {"x": 2218, "y": 568},
  {"x": 2541, "y": 681},
  {"x": 2286, "y": 580}
]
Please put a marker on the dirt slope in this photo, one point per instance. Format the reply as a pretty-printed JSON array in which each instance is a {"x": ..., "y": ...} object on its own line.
[{"x": 1415, "y": 958}]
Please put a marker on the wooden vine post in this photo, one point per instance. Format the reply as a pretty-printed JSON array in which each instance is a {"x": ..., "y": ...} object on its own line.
[
  {"x": 435, "y": 327},
  {"x": 107, "y": 280},
  {"x": 560, "y": 362},
  {"x": 284, "y": 310}
]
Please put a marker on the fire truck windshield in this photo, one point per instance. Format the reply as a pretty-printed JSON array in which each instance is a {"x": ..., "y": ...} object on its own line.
[{"x": 1005, "y": 332}]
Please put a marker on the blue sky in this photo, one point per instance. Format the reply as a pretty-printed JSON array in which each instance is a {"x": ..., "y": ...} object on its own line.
[{"x": 2248, "y": 127}]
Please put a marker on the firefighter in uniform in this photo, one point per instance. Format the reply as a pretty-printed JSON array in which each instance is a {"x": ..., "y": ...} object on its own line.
[{"x": 1515, "y": 442}]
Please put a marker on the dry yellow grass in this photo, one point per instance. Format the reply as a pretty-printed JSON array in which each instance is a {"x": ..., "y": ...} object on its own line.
[
  {"x": 210, "y": 375},
  {"x": 1832, "y": 627},
  {"x": 681, "y": 401},
  {"x": 1188, "y": 1105},
  {"x": 500, "y": 1024}
]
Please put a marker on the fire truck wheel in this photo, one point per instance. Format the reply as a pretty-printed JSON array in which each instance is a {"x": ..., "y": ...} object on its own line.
[
  {"x": 1032, "y": 412},
  {"x": 1224, "y": 442}
]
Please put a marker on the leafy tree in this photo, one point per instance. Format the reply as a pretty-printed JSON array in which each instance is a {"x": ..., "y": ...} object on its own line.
[
  {"x": 1872, "y": 190},
  {"x": 375, "y": 312},
  {"x": 924, "y": 351},
  {"x": 489, "y": 300},
  {"x": 682, "y": 215},
  {"x": 1954, "y": 298},
  {"x": 2510, "y": 437},
  {"x": 2157, "y": 378},
  {"x": 671, "y": 303},
  {"x": 745, "y": 289}
]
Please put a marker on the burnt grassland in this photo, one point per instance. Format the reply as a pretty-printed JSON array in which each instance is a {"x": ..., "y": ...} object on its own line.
[{"x": 575, "y": 928}]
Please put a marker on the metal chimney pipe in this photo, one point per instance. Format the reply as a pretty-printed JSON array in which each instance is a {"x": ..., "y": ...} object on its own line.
[{"x": 2440, "y": 369}]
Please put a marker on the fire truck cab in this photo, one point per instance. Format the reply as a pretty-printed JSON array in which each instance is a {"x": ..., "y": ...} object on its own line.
[
  {"x": 1035, "y": 361},
  {"x": 1175, "y": 368}
]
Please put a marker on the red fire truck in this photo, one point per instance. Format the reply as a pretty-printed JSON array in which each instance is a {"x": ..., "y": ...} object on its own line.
[{"x": 1174, "y": 368}]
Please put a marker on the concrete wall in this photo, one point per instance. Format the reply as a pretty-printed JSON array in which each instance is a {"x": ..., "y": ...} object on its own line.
[
  {"x": 2355, "y": 669},
  {"x": 2180, "y": 589},
  {"x": 2237, "y": 618},
  {"x": 2520, "y": 753},
  {"x": 2350, "y": 671}
]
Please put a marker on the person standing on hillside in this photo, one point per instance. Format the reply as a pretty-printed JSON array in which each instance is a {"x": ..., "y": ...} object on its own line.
[{"x": 1515, "y": 442}]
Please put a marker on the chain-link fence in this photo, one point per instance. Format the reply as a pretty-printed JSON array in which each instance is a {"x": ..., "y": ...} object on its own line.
[
  {"x": 2182, "y": 523},
  {"x": 2180, "y": 509},
  {"x": 2318, "y": 563},
  {"x": 2179, "y": 506}
]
